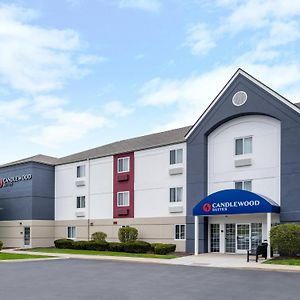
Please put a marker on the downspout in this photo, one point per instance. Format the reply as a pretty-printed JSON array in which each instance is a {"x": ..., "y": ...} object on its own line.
[{"x": 88, "y": 194}]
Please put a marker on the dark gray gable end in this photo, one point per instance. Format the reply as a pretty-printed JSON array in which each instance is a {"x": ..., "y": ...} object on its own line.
[{"x": 261, "y": 101}]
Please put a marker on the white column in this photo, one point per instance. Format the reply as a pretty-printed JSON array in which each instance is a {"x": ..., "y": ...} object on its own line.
[
  {"x": 269, "y": 222},
  {"x": 196, "y": 235}
]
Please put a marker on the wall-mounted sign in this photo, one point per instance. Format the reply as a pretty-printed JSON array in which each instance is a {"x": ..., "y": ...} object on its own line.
[{"x": 9, "y": 181}]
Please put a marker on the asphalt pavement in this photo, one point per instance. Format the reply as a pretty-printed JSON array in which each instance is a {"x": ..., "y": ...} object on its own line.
[{"x": 74, "y": 279}]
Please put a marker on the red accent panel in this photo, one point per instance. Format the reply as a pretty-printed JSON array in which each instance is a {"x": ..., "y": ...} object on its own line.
[{"x": 125, "y": 184}]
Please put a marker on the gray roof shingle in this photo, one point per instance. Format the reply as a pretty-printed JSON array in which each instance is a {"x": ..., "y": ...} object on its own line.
[
  {"x": 139, "y": 143},
  {"x": 40, "y": 158}
]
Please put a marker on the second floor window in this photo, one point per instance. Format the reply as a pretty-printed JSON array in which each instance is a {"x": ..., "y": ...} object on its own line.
[
  {"x": 123, "y": 199},
  {"x": 123, "y": 164},
  {"x": 80, "y": 171},
  {"x": 176, "y": 156},
  {"x": 80, "y": 202},
  {"x": 176, "y": 194},
  {"x": 243, "y": 145},
  {"x": 243, "y": 185}
]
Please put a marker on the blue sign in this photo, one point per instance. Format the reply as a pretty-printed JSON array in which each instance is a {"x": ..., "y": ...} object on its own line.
[{"x": 231, "y": 202}]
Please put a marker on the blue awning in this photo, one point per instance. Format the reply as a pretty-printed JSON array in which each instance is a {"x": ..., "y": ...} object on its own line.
[{"x": 232, "y": 202}]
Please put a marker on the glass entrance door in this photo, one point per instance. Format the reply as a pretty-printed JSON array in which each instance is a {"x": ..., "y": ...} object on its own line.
[
  {"x": 214, "y": 237},
  {"x": 230, "y": 238},
  {"x": 26, "y": 236},
  {"x": 242, "y": 237}
]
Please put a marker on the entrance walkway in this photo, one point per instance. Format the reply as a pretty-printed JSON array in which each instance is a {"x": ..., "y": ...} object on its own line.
[{"x": 232, "y": 261}]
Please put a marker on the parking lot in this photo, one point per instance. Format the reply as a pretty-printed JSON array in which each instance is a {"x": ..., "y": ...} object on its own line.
[{"x": 88, "y": 279}]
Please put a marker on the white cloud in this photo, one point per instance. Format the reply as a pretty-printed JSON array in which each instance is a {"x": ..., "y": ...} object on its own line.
[
  {"x": 10, "y": 111},
  {"x": 33, "y": 58},
  {"x": 117, "y": 109},
  {"x": 200, "y": 39},
  {"x": 90, "y": 59},
  {"x": 69, "y": 127},
  {"x": 271, "y": 23},
  {"x": 146, "y": 5},
  {"x": 60, "y": 125}
]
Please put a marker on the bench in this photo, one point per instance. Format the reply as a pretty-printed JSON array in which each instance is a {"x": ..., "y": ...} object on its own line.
[{"x": 260, "y": 250}]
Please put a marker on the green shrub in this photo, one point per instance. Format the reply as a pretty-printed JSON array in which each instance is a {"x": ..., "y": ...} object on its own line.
[
  {"x": 64, "y": 243},
  {"x": 80, "y": 245},
  {"x": 164, "y": 249},
  {"x": 98, "y": 246},
  {"x": 153, "y": 245},
  {"x": 137, "y": 247},
  {"x": 99, "y": 236},
  {"x": 1, "y": 245},
  {"x": 128, "y": 234},
  {"x": 286, "y": 239},
  {"x": 116, "y": 247}
]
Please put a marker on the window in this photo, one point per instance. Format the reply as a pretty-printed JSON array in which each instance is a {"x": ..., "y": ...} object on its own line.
[
  {"x": 123, "y": 164},
  {"x": 71, "y": 232},
  {"x": 176, "y": 156},
  {"x": 123, "y": 199},
  {"x": 243, "y": 145},
  {"x": 179, "y": 232},
  {"x": 80, "y": 202},
  {"x": 244, "y": 185},
  {"x": 80, "y": 171},
  {"x": 176, "y": 194}
]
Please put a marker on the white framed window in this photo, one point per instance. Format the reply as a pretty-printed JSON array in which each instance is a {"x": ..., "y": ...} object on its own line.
[
  {"x": 176, "y": 156},
  {"x": 80, "y": 202},
  {"x": 80, "y": 171},
  {"x": 123, "y": 198},
  {"x": 179, "y": 232},
  {"x": 123, "y": 164},
  {"x": 176, "y": 194},
  {"x": 243, "y": 145},
  {"x": 243, "y": 185},
  {"x": 71, "y": 232}
]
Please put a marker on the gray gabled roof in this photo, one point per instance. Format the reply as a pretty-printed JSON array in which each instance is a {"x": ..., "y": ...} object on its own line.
[
  {"x": 40, "y": 158},
  {"x": 139, "y": 143}
]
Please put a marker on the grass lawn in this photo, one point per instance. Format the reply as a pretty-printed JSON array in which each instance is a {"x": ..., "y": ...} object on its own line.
[
  {"x": 284, "y": 261},
  {"x": 104, "y": 253},
  {"x": 8, "y": 256}
]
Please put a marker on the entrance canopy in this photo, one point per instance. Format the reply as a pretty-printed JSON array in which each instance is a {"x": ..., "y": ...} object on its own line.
[{"x": 231, "y": 202}]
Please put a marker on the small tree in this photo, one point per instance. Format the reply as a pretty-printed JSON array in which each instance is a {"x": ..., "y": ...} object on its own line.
[
  {"x": 286, "y": 239},
  {"x": 128, "y": 234},
  {"x": 99, "y": 236},
  {"x": 1, "y": 245}
]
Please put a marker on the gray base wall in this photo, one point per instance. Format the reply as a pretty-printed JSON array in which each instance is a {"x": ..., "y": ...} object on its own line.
[
  {"x": 152, "y": 230},
  {"x": 12, "y": 233}
]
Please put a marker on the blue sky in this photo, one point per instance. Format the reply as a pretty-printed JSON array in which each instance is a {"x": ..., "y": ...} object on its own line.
[{"x": 76, "y": 74}]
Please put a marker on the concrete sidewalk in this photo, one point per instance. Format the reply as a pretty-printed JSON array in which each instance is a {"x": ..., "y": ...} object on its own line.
[{"x": 212, "y": 260}]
